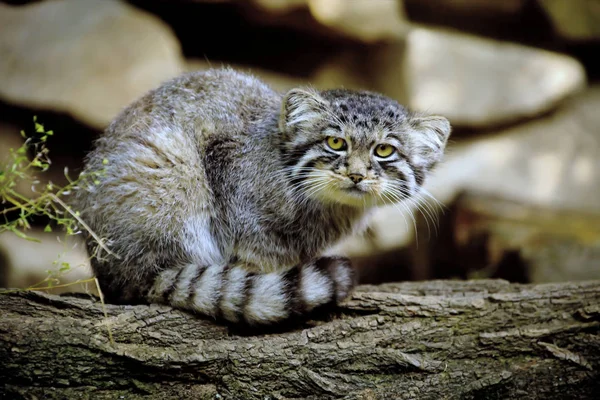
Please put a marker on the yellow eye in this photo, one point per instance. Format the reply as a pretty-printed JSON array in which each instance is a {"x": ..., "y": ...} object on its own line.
[
  {"x": 336, "y": 143},
  {"x": 384, "y": 150}
]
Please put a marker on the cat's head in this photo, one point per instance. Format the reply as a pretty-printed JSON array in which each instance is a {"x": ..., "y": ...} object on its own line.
[{"x": 357, "y": 148}]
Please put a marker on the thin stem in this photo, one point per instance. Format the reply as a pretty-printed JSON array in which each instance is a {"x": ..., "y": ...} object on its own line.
[
  {"x": 110, "y": 336},
  {"x": 32, "y": 288},
  {"x": 68, "y": 209}
]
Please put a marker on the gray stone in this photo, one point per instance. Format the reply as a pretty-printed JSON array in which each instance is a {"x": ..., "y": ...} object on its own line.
[
  {"x": 376, "y": 67},
  {"x": 550, "y": 162},
  {"x": 577, "y": 20},
  {"x": 366, "y": 20},
  {"x": 492, "y": 237},
  {"x": 88, "y": 58},
  {"x": 479, "y": 83},
  {"x": 475, "y": 82},
  {"x": 280, "y": 6}
]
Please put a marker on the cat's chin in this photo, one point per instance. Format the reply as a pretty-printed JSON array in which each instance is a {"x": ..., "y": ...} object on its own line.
[{"x": 352, "y": 197}]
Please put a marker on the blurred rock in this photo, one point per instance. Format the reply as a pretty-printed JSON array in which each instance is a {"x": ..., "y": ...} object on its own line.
[
  {"x": 551, "y": 162},
  {"x": 25, "y": 263},
  {"x": 376, "y": 67},
  {"x": 481, "y": 83},
  {"x": 491, "y": 237},
  {"x": 476, "y": 83},
  {"x": 85, "y": 57},
  {"x": 477, "y": 6},
  {"x": 519, "y": 21},
  {"x": 366, "y": 20},
  {"x": 280, "y": 6},
  {"x": 577, "y": 20}
]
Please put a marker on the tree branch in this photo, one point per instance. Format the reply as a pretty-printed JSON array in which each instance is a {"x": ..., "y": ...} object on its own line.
[{"x": 428, "y": 340}]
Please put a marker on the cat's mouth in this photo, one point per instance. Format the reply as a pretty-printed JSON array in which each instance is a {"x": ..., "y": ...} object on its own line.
[
  {"x": 355, "y": 190},
  {"x": 355, "y": 196},
  {"x": 342, "y": 191},
  {"x": 359, "y": 195}
]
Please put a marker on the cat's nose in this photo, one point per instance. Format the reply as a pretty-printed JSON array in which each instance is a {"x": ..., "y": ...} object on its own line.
[{"x": 356, "y": 177}]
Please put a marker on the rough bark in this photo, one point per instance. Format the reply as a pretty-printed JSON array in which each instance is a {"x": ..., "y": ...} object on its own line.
[{"x": 429, "y": 340}]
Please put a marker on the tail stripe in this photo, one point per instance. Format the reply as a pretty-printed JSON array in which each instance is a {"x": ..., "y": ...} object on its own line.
[
  {"x": 206, "y": 291},
  {"x": 324, "y": 265},
  {"x": 223, "y": 285},
  {"x": 267, "y": 300},
  {"x": 341, "y": 274},
  {"x": 293, "y": 286},
  {"x": 232, "y": 294},
  {"x": 179, "y": 296},
  {"x": 170, "y": 295},
  {"x": 247, "y": 291},
  {"x": 194, "y": 282},
  {"x": 316, "y": 288}
]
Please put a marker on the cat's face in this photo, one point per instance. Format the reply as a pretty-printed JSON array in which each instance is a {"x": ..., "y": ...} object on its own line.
[{"x": 358, "y": 148}]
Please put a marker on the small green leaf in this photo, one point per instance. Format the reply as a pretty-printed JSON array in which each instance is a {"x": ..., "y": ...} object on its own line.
[
  {"x": 50, "y": 133},
  {"x": 39, "y": 128},
  {"x": 48, "y": 228},
  {"x": 23, "y": 134},
  {"x": 105, "y": 161}
]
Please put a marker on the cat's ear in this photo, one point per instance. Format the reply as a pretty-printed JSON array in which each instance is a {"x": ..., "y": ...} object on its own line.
[
  {"x": 300, "y": 108},
  {"x": 429, "y": 141}
]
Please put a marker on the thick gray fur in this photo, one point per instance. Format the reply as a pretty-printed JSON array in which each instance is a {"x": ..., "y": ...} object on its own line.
[{"x": 220, "y": 195}]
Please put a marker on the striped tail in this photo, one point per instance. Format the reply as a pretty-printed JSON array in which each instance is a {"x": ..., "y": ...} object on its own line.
[{"x": 239, "y": 296}]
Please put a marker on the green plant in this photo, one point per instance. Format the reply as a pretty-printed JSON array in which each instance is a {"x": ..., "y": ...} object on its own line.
[{"x": 49, "y": 201}]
